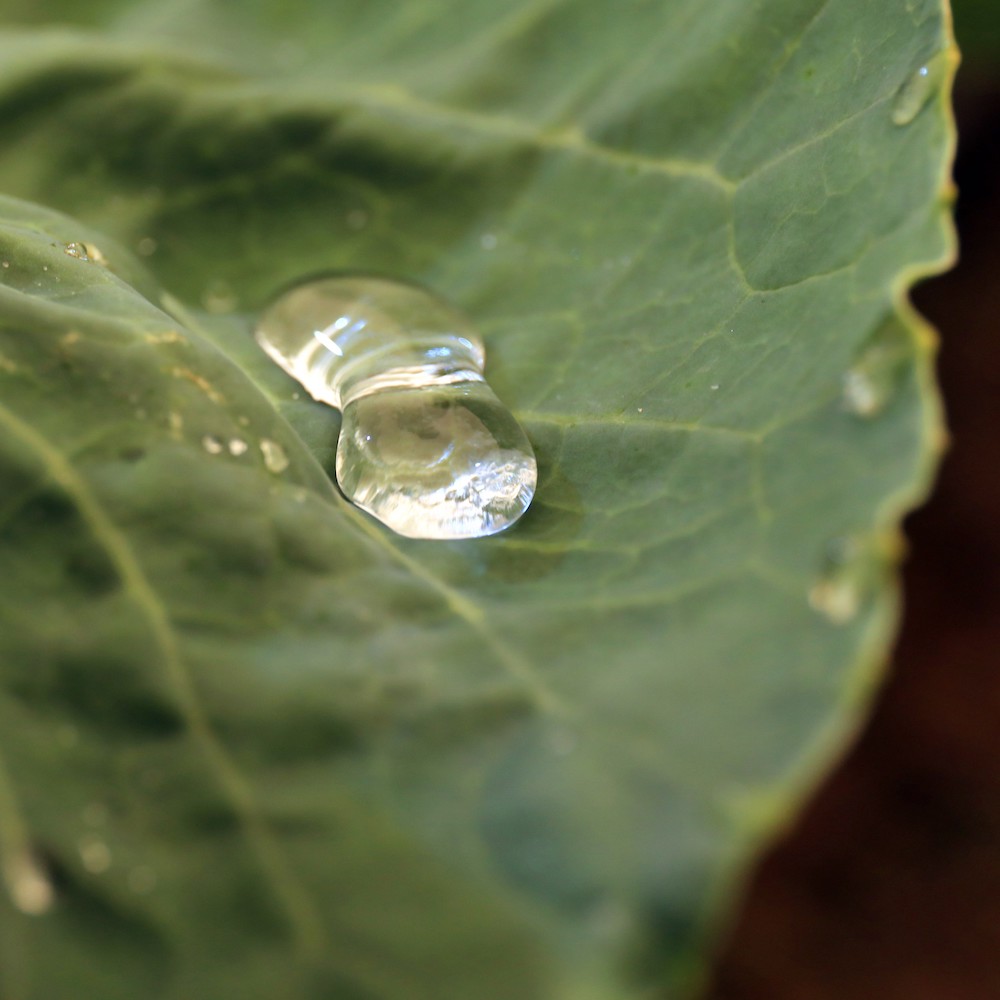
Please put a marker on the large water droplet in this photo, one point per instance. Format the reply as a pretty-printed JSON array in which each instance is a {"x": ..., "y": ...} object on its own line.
[
  {"x": 918, "y": 89},
  {"x": 425, "y": 445}
]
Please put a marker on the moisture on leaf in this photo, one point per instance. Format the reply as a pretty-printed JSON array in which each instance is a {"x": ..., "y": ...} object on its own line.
[{"x": 251, "y": 744}]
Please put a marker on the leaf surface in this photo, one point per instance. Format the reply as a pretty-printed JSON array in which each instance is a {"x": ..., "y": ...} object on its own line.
[{"x": 254, "y": 745}]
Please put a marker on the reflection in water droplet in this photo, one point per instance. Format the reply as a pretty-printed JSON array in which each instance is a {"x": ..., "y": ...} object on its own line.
[
  {"x": 219, "y": 297},
  {"x": 425, "y": 446},
  {"x": 275, "y": 459},
  {"x": 238, "y": 447},
  {"x": 29, "y": 887},
  {"x": 146, "y": 247},
  {"x": 918, "y": 89},
  {"x": 86, "y": 251},
  {"x": 212, "y": 444}
]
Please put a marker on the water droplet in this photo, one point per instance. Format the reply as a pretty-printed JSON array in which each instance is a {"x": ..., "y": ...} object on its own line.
[
  {"x": 357, "y": 219},
  {"x": 95, "y": 855},
  {"x": 837, "y": 599},
  {"x": 488, "y": 241},
  {"x": 837, "y": 594},
  {"x": 219, "y": 297},
  {"x": 238, "y": 447},
  {"x": 29, "y": 886},
  {"x": 5, "y": 264},
  {"x": 86, "y": 251},
  {"x": 275, "y": 459},
  {"x": 714, "y": 386},
  {"x": 861, "y": 396},
  {"x": 918, "y": 89},
  {"x": 146, "y": 247},
  {"x": 425, "y": 445},
  {"x": 870, "y": 383},
  {"x": 212, "y": 444}
]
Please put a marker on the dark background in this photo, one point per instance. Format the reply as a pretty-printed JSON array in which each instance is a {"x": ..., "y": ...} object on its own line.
[{"x": 889, "y": 886}]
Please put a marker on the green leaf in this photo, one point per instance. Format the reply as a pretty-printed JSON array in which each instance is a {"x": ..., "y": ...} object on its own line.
[{"x": 252, "y": 744}]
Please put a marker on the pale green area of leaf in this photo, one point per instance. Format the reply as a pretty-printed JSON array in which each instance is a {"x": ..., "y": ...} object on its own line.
[{"x": 264, "y": 749}]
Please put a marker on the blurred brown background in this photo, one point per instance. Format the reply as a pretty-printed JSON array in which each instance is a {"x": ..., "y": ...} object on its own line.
[{"x": 889, "y": 887}]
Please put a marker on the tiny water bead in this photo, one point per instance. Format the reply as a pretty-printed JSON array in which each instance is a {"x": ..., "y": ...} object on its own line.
[
  {"x": 425, "y": 445},
  {"x": 86, "y": 251},
  {"x": 918, "y": 89}
]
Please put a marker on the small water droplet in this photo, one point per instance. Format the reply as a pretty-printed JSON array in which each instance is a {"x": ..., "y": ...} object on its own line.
[
  {"x": 238, "y": 447},
  {"x": 89, "y": 252},
  {"x": 860, "y": 394},
  {"x": 838, "y": 600},
  {"x": 357, "y": 219},
  {"x": 714, "y": 386},
  {"x": 838, "y": 592},
  {"x": 146, "y": 247},
  {"x": 219, "y": 297},
  {"x": 918, "y": 89},
  {"x": 870, "y": 383},
  {"x": 95, "y": 855},
  {"x": 5, "y": 264},
  {"x": 488, "y": 241},
  {"x": 212, "y": 444},
  {"x": 275, "y": 459},
  {"x": 29, "y": 886},
  {"x": 425, "y": 445}
]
